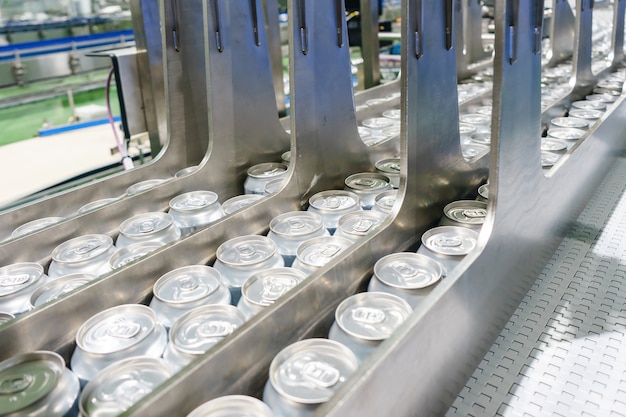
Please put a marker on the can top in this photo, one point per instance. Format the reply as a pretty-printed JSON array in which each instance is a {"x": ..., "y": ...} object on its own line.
[
  {"x": 59, "y": 287},
  {"x": 481, "y": 138},
  {"x": 483, "y": 191},
  {"x": 193, "y": 201},
  {"x": 554, "y": 145},
  {"x": 16, "y": 277},
  {"x": 548, "y": 159},
  {"x": 475, "y": 119},
  {"x": 116, "y": 329},
  {"x": 573, "y": 122},
  {"x": 588, "y": 104},
  {"x": 471, "y": 150},
  {"x": 272, "y": 186},
  {"x": 567, "y": 133},
  {"x": 187, "y": 284},
  {"x": 377, "y": 122},
  {"x": 35, "y": 225},
  {"x": 611, "y": 84},
  {"x": 407, "y": 271},
  {"x": 239, "y": 202},
  {"x": 588, "y": 114},
  {"x": 232, "y": 406},
  {"x": 450, "y": 240},
  {"x": 81, "y": 249},
  {"x": 28, "y": 378},
  {"x": 486, "y": 110},
  {"x": 318, "y": 251},
  {"x": 265, "y": 287},
  {"x": 367, "y": 182},
  {"x": 286, "y": 157},
  {"x": 4, "y": 317},
  {"x": 199, "y": 329},
  {"x": 371, "y": 315},
  {"x": 186, "y": 171},
  {"x": 360, "y": 223},
  {"x": 386, "y": 200},
  {"x": 334, "y": 200},
  {"x": 310, "y": 371},
  {"x": 246, "y": 250},
  {"x": 121, "y": 385},
  {"x": 132, "y": 252},
  {"x": 604, "y": 98},
  {"x": 144, "y": 185},
  {"x": 364, "y": 132},
  {"x": 466, "y": 129},
  {"x": 296, "y": 224},
  {"x": 267, "y": 170},
  {"x": 146, "y": 224},
  {"x": 466, "y": 211},
  {"x": 97, "y": 204},
  {"x": 389, "y": 166},
  {"x": 393, "y": 114}
]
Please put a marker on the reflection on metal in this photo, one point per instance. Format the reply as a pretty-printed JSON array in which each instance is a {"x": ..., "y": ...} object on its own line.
[
  {"x": 582, "y": 73},
  {"x": 272, "y": 30},
  {"x": 471, "y": 55},
  {"x": 370, "y": 44},
  {"x": 617, "y": 47},
  {"x": 562, "y": 30}
]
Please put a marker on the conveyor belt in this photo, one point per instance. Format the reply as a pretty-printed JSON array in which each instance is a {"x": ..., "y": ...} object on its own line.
[{"x": 563, "y": 351}]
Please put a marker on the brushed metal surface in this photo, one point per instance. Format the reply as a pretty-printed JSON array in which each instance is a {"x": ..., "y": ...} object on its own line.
[
  {"x": 272, "y": 31},
  {"x": 561, "y": 31},
  {"x": 370, "y": 45}
]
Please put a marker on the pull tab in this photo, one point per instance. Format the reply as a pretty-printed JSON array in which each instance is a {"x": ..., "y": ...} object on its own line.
[
  {"x": 321, "y": 374},
  {"x": 255, "y": 22},
  {"x": 197, "y": 202},
  {"x": 332, "y": 203},
  {"x": 218, "y": 26},
  {"x": 475, "y": 213},
  {"x": 131, "y": 390},
  {"x": 368, "y": 315},
  {"x": 394, "y": 167},
  {"x": 146, "y": 227},
  {"x": 187, "y": 283},
  {"x": 329, "y": 251},
  {"x": 448, "y": 242},
  {"x": 246, "y": 250},
  {"x": 175, "y": 39},
  {"x": 14, "y": 385},
  {"x": 14, "y": 280},
  {"x": 275, "y": 287},
  {"x": 304, "y": 41},
  {"x": 513, "y": 18},
  {"x": 124, "y": 329},
  {"x": 404, "y": 270},
  {"x": 363, "y": 225},
  {"x": 364, "y": 182},
  {"x": 418, "y": 28},
  {"x": 216, "y": 328},
  {"x": 340, "y": 16},
  {"x": 89, "y": 247},
  {"x": 295, "y": 224},
  {"x": 449, "y": 22}
]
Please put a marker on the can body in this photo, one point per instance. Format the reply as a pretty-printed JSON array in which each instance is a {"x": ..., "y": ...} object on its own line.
[
  {"x": 261, "y": 174},
  {"x": 184, "y": 289},
  {"x": 18, "y": 282},
  {"x": 241, "y": 257},
  {"x": 118, "y": 333},
  {"x": 317, "y": 252},
  {"x": 148, "y": 227},
  {"x": 290, "y": 229},
  {"x": 333, "y": 204},
  {"x": 44, "y": 387},
  {"x": 88, "y": 254},
  {"x": 194, "y": 210}
]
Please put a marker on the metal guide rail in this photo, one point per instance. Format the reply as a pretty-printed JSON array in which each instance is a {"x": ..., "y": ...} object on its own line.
[{"x": 433, "y": 173}]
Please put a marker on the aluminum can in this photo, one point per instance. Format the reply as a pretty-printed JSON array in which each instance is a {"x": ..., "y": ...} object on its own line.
[
  {"x": 472, "y": 151},
  {"x": 240, "y": 202},
  {"x": 553, "y": 145},
  {"x": 566, "y": 133},
  {"x": 589, "y": 105},
  {"x": 377, "y": 123},
  {"x": 88, "y": 254},
  {"x": 196, "y": 331},
  {"x": 186, "y": 171},
  {"x": 259, "y": 175},
  {"x": 145, "y": 186},
  {"x": 37, "y": 384},
  {"x": 393, "y": 114},
  {"x": 604, "y": 98},
  {"x": 483, "y": 192},
  {"x": 148, "y": 227},
  {"x": 466, "y": 129},
  {"x": 131, "y": 253},
  {"x": 290, "y": 229},
  {"x": 385, "y": 201},
  {"x": 286, "y": 157},
  {"x": 193, "y": 210},
  {"x": 390, "y": 167},
  {"x": 94, "y": 205},
  {"x": 586, "y": 114},
  {"x": 18, "y": 282},
  {"x": 5, "y": 317},
  {"x": 367, "y": 185},
  {"x": 121, "y": 385},
  {"x": 114, "y": 334},
  {"x": 364, "y": 320},
  {"x": 355, "y": 225},
  {"x": 482, "y": 122},
  {"x": 243, "y": 256},
  {"x": 58, "y": 288},
  {"x": 232, "y": 406},
  {"x": 410, "y": 276},
  {"x": 35, "y": 226},
  {"x": 548, "y": 159},
  {"x": 448, "y": 245},
  {"x": 465, "y": 213},
  {"x": 262, "y": 289},
  {"x": 186, "y": 288},
  {"x": 569, "y": 122},
  {"x": 273, "y": 186},
  {"x": 333, "y": 204},
  {"x": 482, "y": 138},
  {"x": 317, "y": 252},
  {"x": 306, "y": 374}
]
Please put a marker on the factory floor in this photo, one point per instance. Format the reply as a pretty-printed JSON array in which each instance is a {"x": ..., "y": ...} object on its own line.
[{"x": 34, "y": 164}]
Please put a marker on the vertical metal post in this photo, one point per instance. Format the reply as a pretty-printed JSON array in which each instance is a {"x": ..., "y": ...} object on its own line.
[
  {"x": 370, "y": 45},
  {"x": 619, "y": 8},
  {"x": 562, "y": 32},
  {"x": 272, "y": 30}
]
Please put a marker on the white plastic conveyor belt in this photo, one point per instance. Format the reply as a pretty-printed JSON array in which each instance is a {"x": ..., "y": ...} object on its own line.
[{"x": 562, "y": 352}]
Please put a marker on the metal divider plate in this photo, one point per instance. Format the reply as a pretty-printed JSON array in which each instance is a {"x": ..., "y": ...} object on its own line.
[{"x": 561, "y": 353}]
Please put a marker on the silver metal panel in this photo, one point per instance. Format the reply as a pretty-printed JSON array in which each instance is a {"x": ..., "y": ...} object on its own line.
[
  {"x": 370, "y": 45},
  {"x": 272, "y": 31},
  {"x": 562, "y": 31},
  {"x": 582, "y": 74},
  {"x": 617, "y": 47},
  {"x": 430, "y": 358}
]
